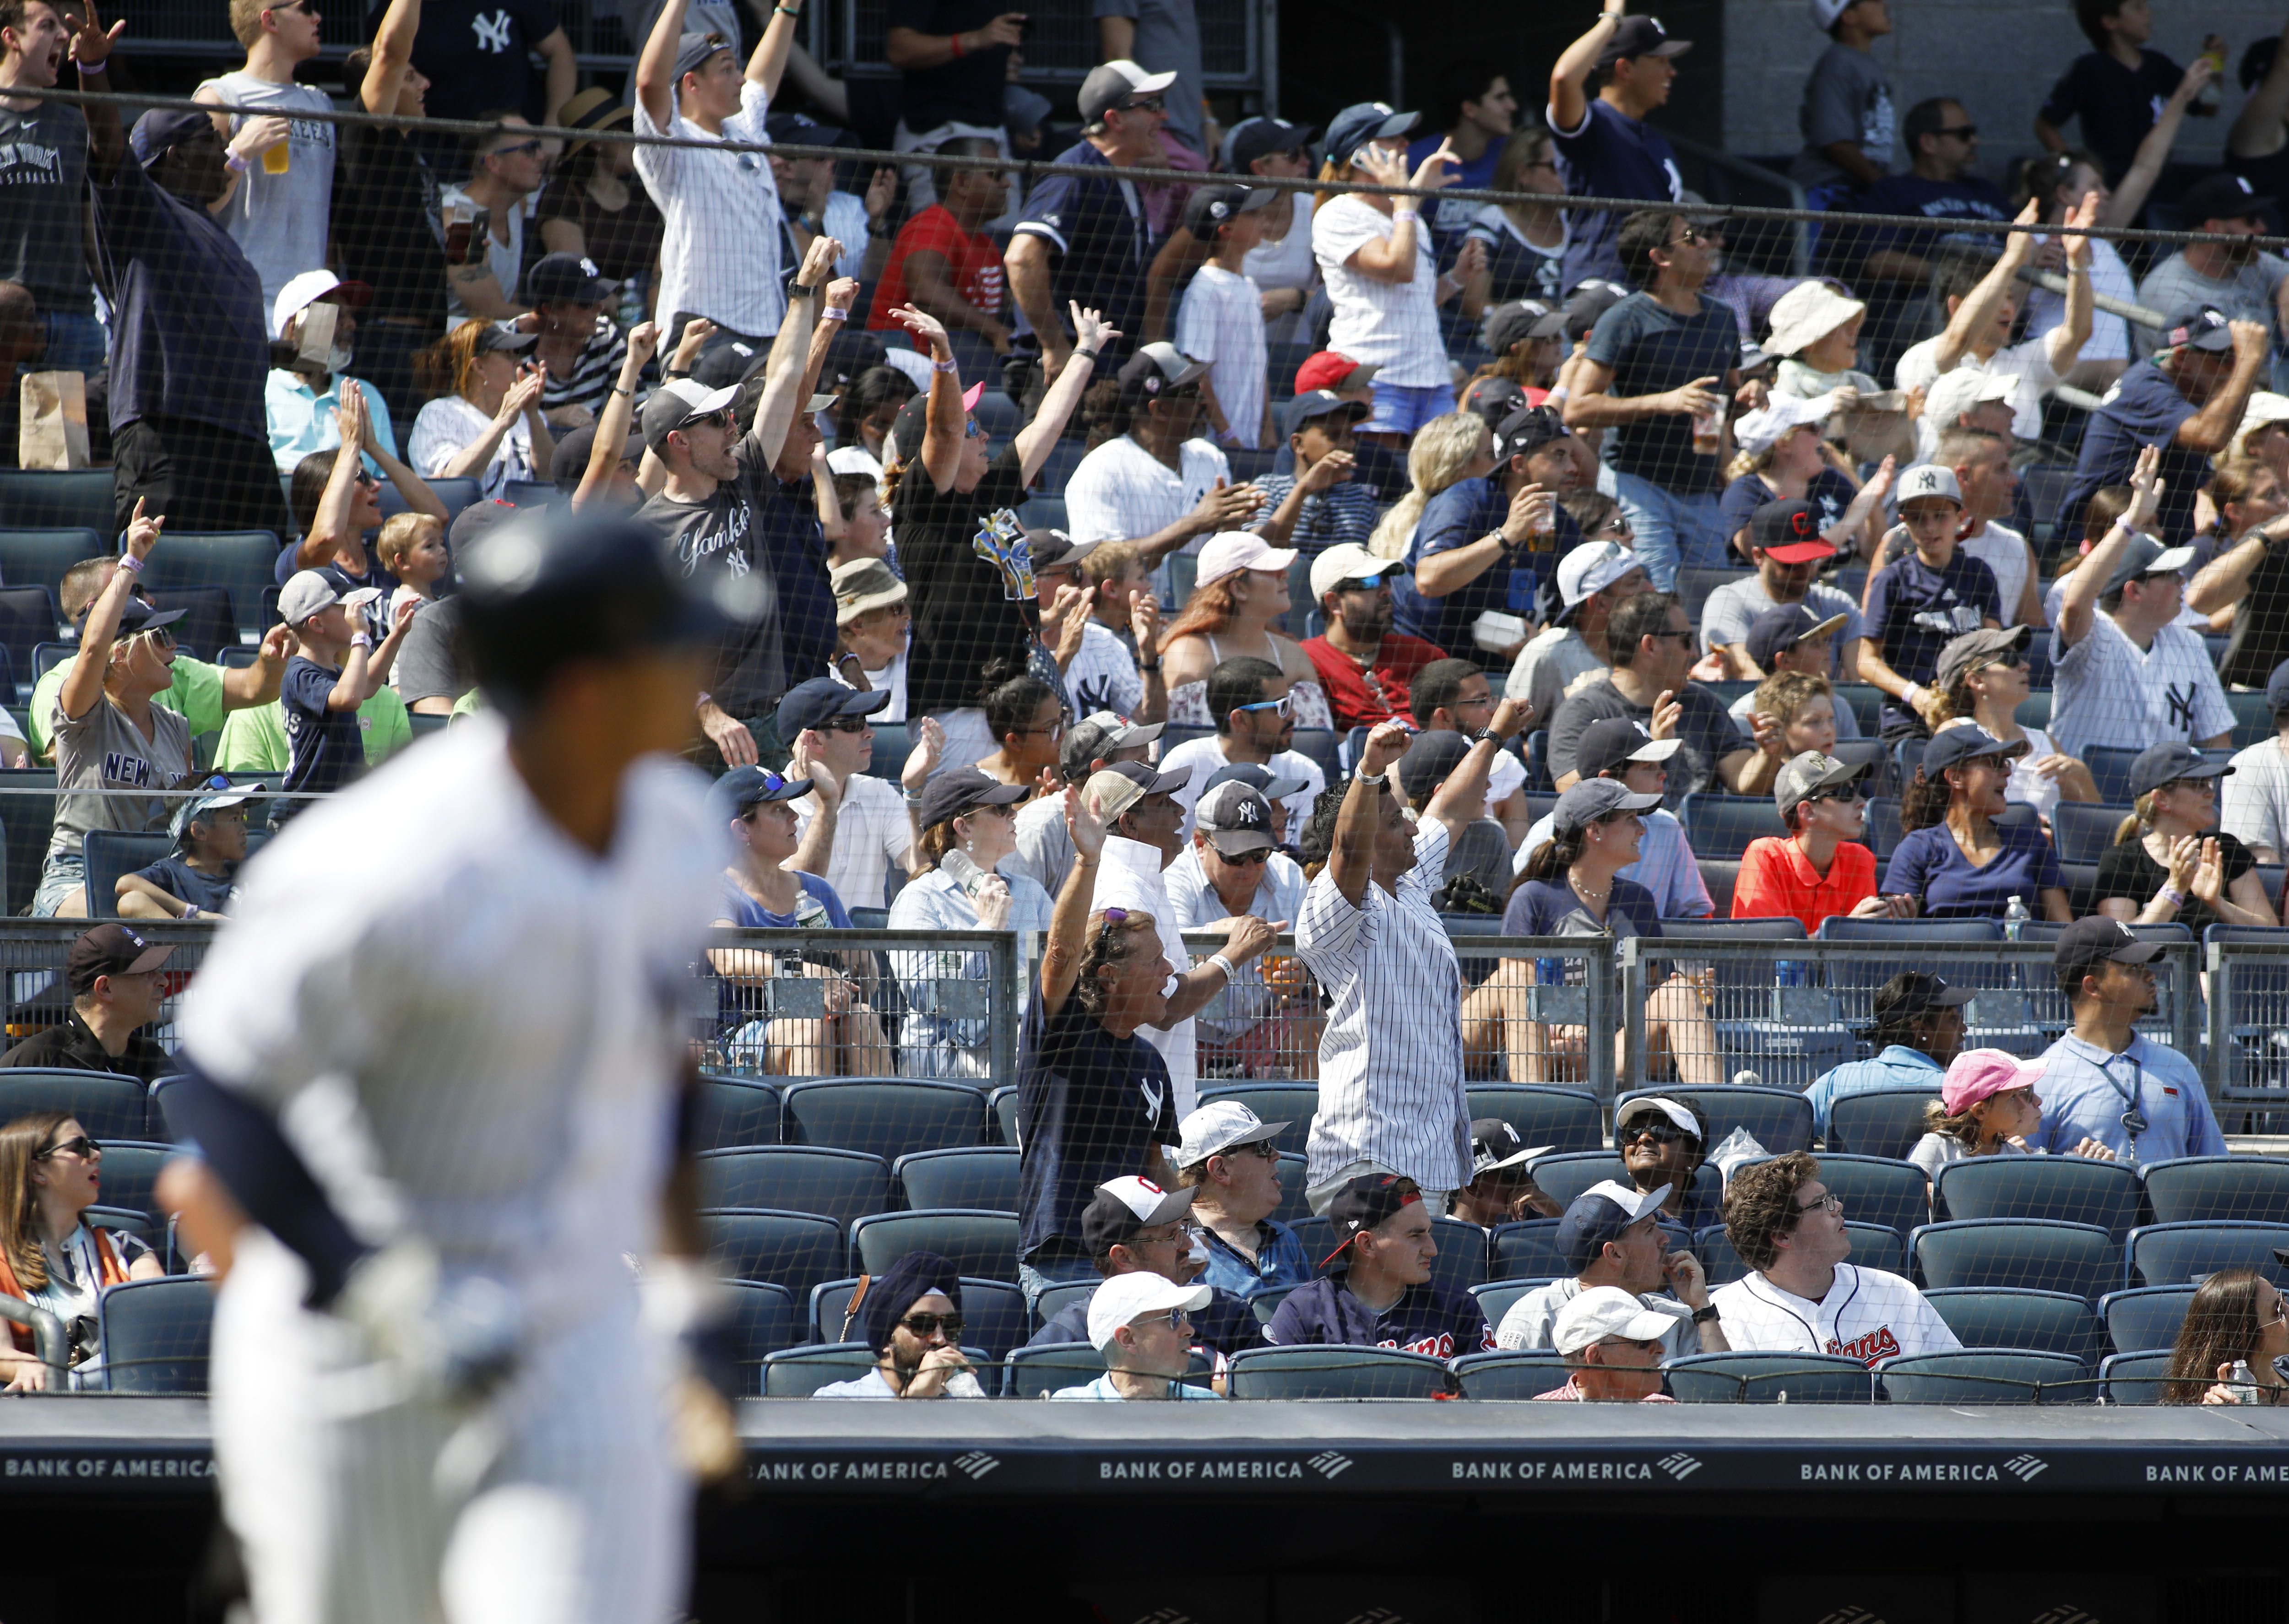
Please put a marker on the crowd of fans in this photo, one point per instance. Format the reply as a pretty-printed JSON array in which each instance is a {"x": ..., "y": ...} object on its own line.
[{"x": 1039, "y": 477}]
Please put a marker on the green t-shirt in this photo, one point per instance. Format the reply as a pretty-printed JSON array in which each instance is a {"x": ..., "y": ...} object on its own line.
[
  {"x": 254, "y": 740},
  {"x": 195, "y": 695}
]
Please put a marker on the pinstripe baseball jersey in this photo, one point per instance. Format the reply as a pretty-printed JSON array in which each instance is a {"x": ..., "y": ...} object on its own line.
[
  {"x": 1390, "y": 1057},
  {"x": 1122, "y": 492},
  {"x": 1867, "y": 1315}
]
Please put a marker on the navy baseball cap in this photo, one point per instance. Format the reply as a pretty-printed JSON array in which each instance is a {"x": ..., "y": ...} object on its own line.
[
  {"x": 2166, "y": 763},
  {"x": 1528, "y": 430},
  {"x": 1317, "y": 403},
  {"x": 964, "y": 790},
  {"x": 1641, "y": 36},
  {"x": 1953, "y": 746},
  {"x": 1523, "y": 319},
  {"x": 1363, "y": 122},
  {"x": 161, "y": 128},
  {"x": 567, "y": 279},
  {"x": 1366, "y": 1203},
  {"x": 1494, "y": 399},
  {"x": 1778, "y": 629},
  {"x": 1604, "y": 1211},
  {"x": 751, "y": 786},
  {"x": 2200, "y": 327},
  {"x": 821, "y": 700},
  {"x": 1430, "y": 760},
  {"x": 1257, "y": 138},
  {"x": 1210, "y": 207},
  {"x": 2087, "y": 944},
  {"x": 2277, "y": 690}
]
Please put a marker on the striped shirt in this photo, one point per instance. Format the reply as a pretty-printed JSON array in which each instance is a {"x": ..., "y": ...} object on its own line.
[
  {"x": 1220, "y": 323},
  {"x": 1346, "y": 511},
  {"x": 594, "y": 370},
  {"x": 871, "y": 831},
  {"x": 1122, "y": 492},
  {"x": 1391, "y": 1059}
]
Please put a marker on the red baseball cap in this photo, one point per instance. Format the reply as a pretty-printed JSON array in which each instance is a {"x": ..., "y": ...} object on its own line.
[{"x": 1331, "y": 370}]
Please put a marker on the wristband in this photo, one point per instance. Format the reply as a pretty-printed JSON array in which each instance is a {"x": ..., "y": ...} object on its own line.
[
  {"x": 130, "y": 563},
  {"x": 190, "y": 912},
  {"x": 1708, "y": 1312},
  {"x": 832, "y": 314},
  {"x": 944, "y": 366},
  {"x": 1150, "y": 669},
  {"x": 2171, "y": 894},
  {"x": 954, "y": 42},
  {"x": 1087, "y": 355},
  {"x": 1375, "y": 778},
  {"x": 1914, "y": 696},
  {"x": 788, "y": 10},
  {"x": 236, "y": 164},
  {"x": 705, "y": 699},
  {"x": 1225, "y": 965},
  {"x": 621, "y": 389},
  {"x": 914, "y": 796},
  {"x": 1397, "y": 215},
  {"x": 361, "y": 640}
]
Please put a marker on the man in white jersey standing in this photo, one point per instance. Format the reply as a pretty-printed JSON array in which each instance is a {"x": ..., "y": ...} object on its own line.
[
  {"x": 1801, "y": 1296},
  {"x": 448, "y": 1104}
]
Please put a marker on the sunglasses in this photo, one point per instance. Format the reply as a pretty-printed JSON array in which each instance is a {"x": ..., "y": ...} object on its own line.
[
  {"x": 1176, "y": 1319},
  {"x": 1378, "y": 583},
  {"x": 1113, "y": 918},
  {"x": 83, "y": 1147},
  {"x": 1284, "y": 705},
  {"x": 1659, "y": 1133},
  {"x": 929, "y": 1324},
  {"x": 1961, "y": 132},
  {"x": 1247, "y": 859},
  {"x": 1145, "y": 104},
  {"x": 503, "y": 152},
  {"x": 1838, "y": 792},
  {"x": 846, "y": 724}
]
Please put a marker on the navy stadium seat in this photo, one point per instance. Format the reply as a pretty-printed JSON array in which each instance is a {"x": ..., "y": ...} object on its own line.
[
  {"x": 1528, "y": 1250},
  {"x": 843, "y": 1185},
  {"x": 2027, "y": 1253},
  {"x": 155, "y": 1335},
  {"x": 1003, "y": 1102},
  {"x": 208, "y": 624},
  {"x": 242, "y": 563},
  {"x": 1495, "y": 1297},
  {"x": 732, "y": 1111},
  {"x": 796, "y": 1250},
  {"x": 1769, "y": 1378},
  {"x": 888, "y": 1116},
  {"x": 2062, "y": 1189},
  {"x": 1879, "y": 1121},
  {"x": 1878, "y": 1190},
  {"x": 994, "y": 1312},
  {"x": 1986, "y": 1376},
  {"x": 1723, "y": 825},
  {"x": 798, "y": 1372},
  {"x": 979, "y": 1176},
  {"x": 107, "y": 1106},
  {"x": 2182, "y": 1254},
  {"x": 2133, "y": 1378},
  {"x": 2207, "y": 1189},
  {"x": 1036, "y": 1373},
  {"x": 761, "y": 1321},
  {"x": 2003, "y": 1317},
  {"x": 977, "y": 1243},
  {"x": 2145, "y": 1316},
  {"x": 1563, "y": 1118},
  {"x": 130, "y": 1176},
  {"x": 2082, "y": 830},
  {"x": 111, "y": 853},
  {"x": 1509, "y": 1374},
  {"x": 1055, "y": 1300},
  {"x": 44, "y": 498},
  {"x": 1335, "y": 1371}
]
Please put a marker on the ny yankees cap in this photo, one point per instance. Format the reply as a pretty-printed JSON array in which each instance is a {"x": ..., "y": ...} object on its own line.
[
  {"x": 1519, "y": 320},
  {"x": 2221, "y": 196},
  {"x": 1778, "y": 629},
  {"x": 1602, "y": 1213},
  {"x": 1363, "y": 122},
  {"x": 822, "y": 700},
  {"x": 1210, "y": 207},
  {"x": 1272, "y": 787},
  {"x": 1221, "y": 1125},
  {"x": 567, "y": 279},
  {"x": 1159, "y": 368},
  {"x": 1124, "y": 783},
  {"x": 1603, "y": 1311},
  {"x": 1259, "y": 137},
  {"x": 1527, "y": 431},
  {"x": 1125, "y": 1298},
  {"x": 1927, "y": 480},
  {"x": 1347, "y": 561},
  {"x": 2087, "y": 944},
  {"x": 1611, "y": 742},
  {"x": 109, "y": 949},
  {"x": 1236, "y": 819},
  {"x": 1788, "y": 533},
  {"x": 1495, "y": 1145},
  {"x": 1120, "y": 1207},
  {"x": 1975, "y": 651},
  {"x": 2166, "y": 763},
  {"x": 1099, "y": 735},
  {"x": 1953, "y": 746},
  {"x": 2146, "y": 556},
  {"x": 1366, "y": 1203},
  {"x": 1806, "y": 775},
  {"x": 742, "y": 787},
  {"x": 1492, "y": 399},
  {"x": 1641, "y": 36}
]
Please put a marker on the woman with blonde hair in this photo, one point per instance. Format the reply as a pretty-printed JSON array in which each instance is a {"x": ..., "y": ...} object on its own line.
[
  {"x": 1446, "y": 451},
  {"x": 49, "y": 1255},
  {"x": 1241, "y": 589},
  {"x": 2235, "y": 1329},
  {"x": 486, "y": 423},
  {"x": 2170, "y": 861}
]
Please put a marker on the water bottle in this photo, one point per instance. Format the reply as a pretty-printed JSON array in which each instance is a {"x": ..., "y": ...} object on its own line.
[{"x": 2015, "y": 914}]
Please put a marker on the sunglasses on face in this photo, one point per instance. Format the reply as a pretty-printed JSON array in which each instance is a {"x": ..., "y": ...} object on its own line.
[
  {"x": 1618, "y": 526},
  {"x": 83, "y": 1147},
  {"x": 1961, "y": 132},
  {"x": 1658, "y": 1133},
  {"x": 1376, "y": 584},
  {"x": 846, "y": 724},
  {"x": 1282, "y": 705},
  {"x": 503, "y": 152},
  {"x": 971, "y": 431},
  {"x": 1846, "y": 792},
  {"x": 1147, "y": 104},
  {"x": 926, "y": 1326},
  {"x": 1247, "y": 859},
  {"x": 1176, "y": 1319}
]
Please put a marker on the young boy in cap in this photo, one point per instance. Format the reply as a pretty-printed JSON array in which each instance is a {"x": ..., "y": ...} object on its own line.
[
  {"x": 1500, "y": 1190},
  {"x": 200, "y": 874},
  {"x": 1221, "y": 320},
  {"x": 1917, "y": 605},
  {"x": 1591, "y": 579},
  {"x": 1819, "y": 870},
  {"x": 1784, "y": 542},
  {"x": 2105, "y": 1080},
  {"x": 1612, "y": 1345},
  {"x": 336, "y": 671},
  {"x": 113, "y": 976},
  {"x": 1133, "y": 1227},
  {"x": 1141, "y": 1324},
  {"x": 1792, "y": 640},
  {"x": 1380, "y": 1294},
  {"x": 1611, "y": 1237},
  {"x": 1321, "y": 499},
  {"x": 1229, "y": 1161},
  {"x": 1231, "y": 870}
]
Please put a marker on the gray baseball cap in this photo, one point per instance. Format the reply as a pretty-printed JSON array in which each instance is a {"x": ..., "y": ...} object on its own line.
[
  {"x": 1805, "y": 776},
  {"x": 1975, "y": 650},
  {"x": 1098, "y": 734},
  {"x": 1592, "y": 798},
  {"x": 2146, "y": 556}
]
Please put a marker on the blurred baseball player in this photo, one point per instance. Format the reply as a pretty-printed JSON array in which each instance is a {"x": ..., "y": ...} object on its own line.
[{"x": 445, "y": 1092}]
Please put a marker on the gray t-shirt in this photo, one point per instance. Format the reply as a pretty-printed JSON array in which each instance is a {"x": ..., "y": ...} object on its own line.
[
  {"x": 280, "y": 221},
  {"x": 43, "y": 176},
  {"x": 1734, "y": 607},
  {"x": 1546, "y": 668},
  {"x": 1708, "y": 733},
  {"x": 1846, "y": 99},
  {"x": 1528, "y": 1323},
  {"x": 2254, "y": 805},
  {"x": 725, "y": 532},
  {"x": 2173, "y": 285},
  {"x": 429, "y": 666},
  {"x": 1168, "y": 37},
  {"x": 104, "y": 750}
]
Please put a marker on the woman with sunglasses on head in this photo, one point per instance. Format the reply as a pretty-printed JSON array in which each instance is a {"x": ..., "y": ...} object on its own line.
[
  {"x": 1027, "y": 718},
  {"x": 968, "y": 824},
  {"x": 961, "y": 546},
  {"x": 1240, "y": 591},
  {"x": 337, "y": 504},
  {"x": 2235, "y": 1330},
  {"x": 1820, "y": 869},
  {"x": 50, "y": 1173},
  {"x": 1984, "y": 676},
  {"x": 1956, "y": 860},
  {"x": 842, "y": 1037},
  {"x": 485, "y": 421},
  {"x": 2170, "y": 861}
]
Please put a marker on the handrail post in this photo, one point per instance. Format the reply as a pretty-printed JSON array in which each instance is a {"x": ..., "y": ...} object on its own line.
[
  {"x": 48, "y": 1338},
  {"x": 1632, "y": 994},
  {"x": 1008, "y": 964}
]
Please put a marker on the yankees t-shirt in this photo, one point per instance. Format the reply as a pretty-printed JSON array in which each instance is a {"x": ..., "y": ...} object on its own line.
[
  {"x": 327, "y": 747},
  {"x": 472, "y": 53},
  {"x": 1867, "y": 1315},
  {"x": 2116, "y": 105},
  {"x": 724, "y": 533},
  {"x": 1424, "y": 1319},
  {"x": 1914, "y": 611},
  {"x": 1090, "y": 1107},
  {"x": 1104, "y": 675},
  {"x": 1609, "y": 155}
]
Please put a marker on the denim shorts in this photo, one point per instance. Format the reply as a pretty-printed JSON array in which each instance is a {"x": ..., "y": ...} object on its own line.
[
  {"x": 1401, "y": 409},
  {"x": 63, "y": 877}
]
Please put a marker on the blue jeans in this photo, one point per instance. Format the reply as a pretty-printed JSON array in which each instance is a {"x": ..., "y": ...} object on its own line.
[
  {"x": 1401, "y": 409},
  {"x": 1674, "y": 531},
  {"x": 1055, "y": 1272},
  {"x": 77, "y": 343}
]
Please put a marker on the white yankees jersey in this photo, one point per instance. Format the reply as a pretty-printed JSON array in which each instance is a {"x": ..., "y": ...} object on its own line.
[
  {"x": 2108, "y": 691},
  {"x": 1122, "y": 492},
  {"x": 1222, "y": 323},
  {"x": 1390, "y": 1057},
  {"x": 1868, "y": 1314}
]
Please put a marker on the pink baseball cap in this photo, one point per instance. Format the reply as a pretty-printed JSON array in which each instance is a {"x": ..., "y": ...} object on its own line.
[
  {"x": 1981, "y": 1074},
  {"x": 1230, "y": 552}
]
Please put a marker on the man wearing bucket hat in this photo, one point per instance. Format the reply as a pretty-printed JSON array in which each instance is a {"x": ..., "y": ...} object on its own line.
[
  {"x": 200, "y": 874},
  {"x": 1591, "y": 580},
  {"x": 2107, "y": 1081}
]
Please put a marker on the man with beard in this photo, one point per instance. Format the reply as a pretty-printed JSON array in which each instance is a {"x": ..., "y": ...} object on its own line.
[
  {"x": 913, "y": 1317},
  {"x": 2231, "y": 278},
  {"x": 1366, "y": 667}
]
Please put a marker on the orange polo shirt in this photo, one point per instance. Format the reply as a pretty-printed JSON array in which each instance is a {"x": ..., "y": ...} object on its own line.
[{"x": 1777, "y": 881}]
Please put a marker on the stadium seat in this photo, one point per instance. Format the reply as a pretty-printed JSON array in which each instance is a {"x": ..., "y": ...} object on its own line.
[
  {"x": 2062, "y": 1189},
  {"x": 1462, "y": 1259},
  {"x": 78, "y": 499},
  {"x": 796, "y": 1250},
  {"x": 2030, "y": 1254},
  {"x": 1985, "y": 1376},
  {"x": 2050, "y": 1322},
  {"x": 1723, "y": 825},
  {"x": 1294, "y": 1176},
  {"x": 1719, "y": 1260},
  {"x": 798, "y": 1372},
  {"x": 843, "y": 1185},
  {"x": 1057, "y": 1299},
  {"x": 456, "y": 494},
  {"x": 1509, "y": 1375},
  {"x": 1694, "y": 583},
  {"x": 2252, "y": 718},
  {"x": 531, "y": 493},
  {"x": 994, "y": 1312},
  {"x": 155, "y": 1335},
  {"x": 2211, "y": 1188},
  {"x": 1780, "y": 1119},
  {"x": 731, "y": 1112},
  {"x": 2082, "y": 830},
  {"x": 761, "y": 1321},
  {"x": 1002, "y": 1105},
  {"x": 2145, "y": 1316},
  {"x": 1884, "y": 832},
  {"x": 2185, "y": 1254},
  {"x": 1183, "y": 571},
  {"x": 208, "y": 625},
  {"x": 1564, "y": 1174},
  {"x": 1869, "y": 752},
  {"x": 243, "y": 563},
  {"x": 984, "y": 1177},
  {"x": 889, "y": 1117},
  {"x": 131, "y": 1220},
  {"x": 1318, "y": 746},
  {"x": 2133, "y": 1378},
  {"x": 156, "y": 1129},
  {"x": 1266, "y": 1302},
  {"x": 107, "y": 1105},
  {"x": 130, "y": 1176},
  {"x": 1294, "y": 1103},
  {"x": 1045, "y": 513},
  {"x": 1883, "y": 1122},
  {"x": 28, "y": 618},
  {"x": 1878, "y": 1190},
  {"x": 110, "y": 854},
  {"x": 1769, "y": 1378},
  {"x": 1563, "y": 1118},
  {"x": 1036, "y": 1373},
  {"x": 1494, "y": 1297},
  {"x": 1719, "y": 876},
  {"x": 1334, "y": 1371},
  {"x": 977, "y": 1243},
  {"x": 1526, "y": 1250}
]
